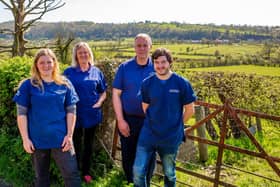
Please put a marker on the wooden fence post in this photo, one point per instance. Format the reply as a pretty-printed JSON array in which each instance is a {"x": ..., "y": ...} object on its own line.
[
  {"x": 201, "y": 132},
  {"x": 259, "y": 124}
]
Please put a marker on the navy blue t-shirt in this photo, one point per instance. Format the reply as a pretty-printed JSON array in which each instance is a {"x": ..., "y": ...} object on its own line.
[
  {"x": 164, "y": 116},
  {"x": 89, "y": 85},
  {"x": 46, "y": 116},
  {"x": 128, "y": 79}
]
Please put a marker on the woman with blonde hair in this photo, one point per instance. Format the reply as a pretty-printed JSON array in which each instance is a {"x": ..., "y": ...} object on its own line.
[
  {"x": 90, "y": 84},
  {"x": 46, "y": 114}
]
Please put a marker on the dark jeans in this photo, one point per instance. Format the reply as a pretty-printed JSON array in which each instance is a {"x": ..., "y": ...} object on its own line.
[
  {"x": 128, "y": 148},
  {"x": 66, "y": 162},
  {"x": 83, "y": 143}
]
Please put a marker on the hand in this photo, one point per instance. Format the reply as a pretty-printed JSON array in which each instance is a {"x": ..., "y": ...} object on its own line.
[
  {"x": 97, "y": 105},
  {"x": 67, "y": 143},
  {"x": 28, "y": 146},
  {"x": 124, "y": 128}
]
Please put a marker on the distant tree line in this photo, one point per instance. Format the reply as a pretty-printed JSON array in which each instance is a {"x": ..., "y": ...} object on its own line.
[{"x": 164, "y": 31}]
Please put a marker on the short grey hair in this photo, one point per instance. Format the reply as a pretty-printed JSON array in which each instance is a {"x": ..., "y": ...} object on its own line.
[
  {"x": 145, "y": 36},
  {"x": 75, "y": 62}
]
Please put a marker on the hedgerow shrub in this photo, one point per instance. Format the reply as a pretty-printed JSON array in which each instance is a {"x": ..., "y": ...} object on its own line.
[
  {"x": 12, "y": 71},
  {"x": 15, "y": 164}
]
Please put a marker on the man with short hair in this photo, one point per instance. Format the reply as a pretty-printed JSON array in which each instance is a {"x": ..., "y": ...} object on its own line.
[
  {"x": 168, "y": 101},
  {"x": 127, "y": 103}
]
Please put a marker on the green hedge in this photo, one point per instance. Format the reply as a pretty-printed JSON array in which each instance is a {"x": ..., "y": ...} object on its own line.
[
  {"x": 12, "y": 71},
  {"x": 15, "y": 164}
]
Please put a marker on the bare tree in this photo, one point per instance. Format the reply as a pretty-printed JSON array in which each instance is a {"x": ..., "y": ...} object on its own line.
[
  {"x": 62, "y": 47},
  {"x": 25, "y": 13}
]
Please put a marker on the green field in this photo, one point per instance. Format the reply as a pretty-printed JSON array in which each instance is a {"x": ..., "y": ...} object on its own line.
[
  {"x": 234, "y": 49},
  {"x": 198, "y": 55},
  {"x": 248, "y": 69},
  {"x": 184, "y": 50}
]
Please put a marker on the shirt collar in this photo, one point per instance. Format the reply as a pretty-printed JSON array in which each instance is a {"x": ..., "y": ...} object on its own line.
[
  {"x": 149, "y": 61},
  {"x": 78, "y": 69}
]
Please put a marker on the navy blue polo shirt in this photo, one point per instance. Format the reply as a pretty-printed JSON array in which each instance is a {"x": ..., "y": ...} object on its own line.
[
  {"x": 128, "y": 78},
  {"x": 46, "y": 116},
  {"x": 89, "y": 85},
  {"x": 164, "y": 116}
]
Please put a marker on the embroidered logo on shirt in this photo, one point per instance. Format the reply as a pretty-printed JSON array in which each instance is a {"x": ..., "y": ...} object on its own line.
[
  {"x": 18, "y": 93},
  {"x": 174, "y": 91},
  {"x": 60, "y": 91}
]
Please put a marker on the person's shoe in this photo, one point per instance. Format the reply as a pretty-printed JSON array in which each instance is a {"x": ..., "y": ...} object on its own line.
[{"x": 87, "y": 178}]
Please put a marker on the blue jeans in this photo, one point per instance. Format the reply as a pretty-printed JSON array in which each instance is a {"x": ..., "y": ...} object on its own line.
[
  {"x": 128, "y": 147},
  {"x": 66, "y": 162},
  {"x": 144, "y": 154}
]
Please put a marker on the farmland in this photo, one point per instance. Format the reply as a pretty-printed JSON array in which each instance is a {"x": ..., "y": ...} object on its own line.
[
  {"x": 248, "y": 69},
  {"x": 196, "y": 55}
]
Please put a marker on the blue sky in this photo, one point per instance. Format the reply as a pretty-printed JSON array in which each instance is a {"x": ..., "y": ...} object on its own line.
[{"x": 238, "y": 12}]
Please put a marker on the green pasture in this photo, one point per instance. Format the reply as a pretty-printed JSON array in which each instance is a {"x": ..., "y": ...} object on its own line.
[
  {"x": 248, "y": 69},
  {"x": 233, "y": 49},
  {"x": 184, "y": 51},
  {"x": 180, "y": 48}
]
